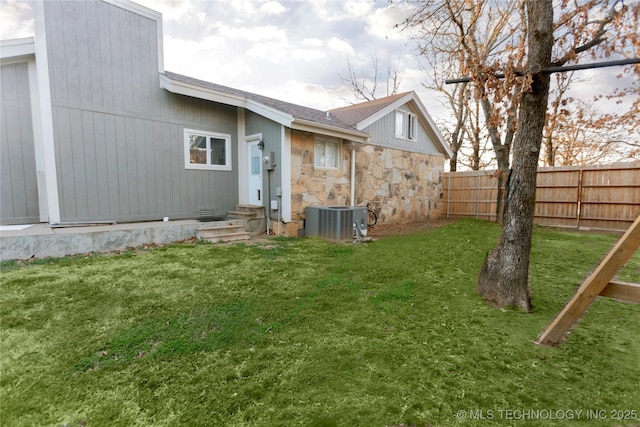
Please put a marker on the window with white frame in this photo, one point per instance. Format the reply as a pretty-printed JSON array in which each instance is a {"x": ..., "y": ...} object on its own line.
[
  {"x": 326, "y": 153},
  {"x": 405, "y": 125},
  {"x": 207, "y": 150}
]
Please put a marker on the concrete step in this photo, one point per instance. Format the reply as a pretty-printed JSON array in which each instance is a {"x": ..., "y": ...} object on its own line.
[
  {"x": 243, "y": 214},
  {"x": 222, "y": 223},
  {"x": 229, "y": 237},
  {"x": 214, "y": 231},
  {"x": 250, "y": 208}
]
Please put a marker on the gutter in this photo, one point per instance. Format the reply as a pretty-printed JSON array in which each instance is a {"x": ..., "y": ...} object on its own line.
[{"x": 310, "y": 126}]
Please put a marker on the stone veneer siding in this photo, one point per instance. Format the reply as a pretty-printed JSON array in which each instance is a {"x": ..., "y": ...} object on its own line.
[
  {"x": 314, "y": 186},
  {"x": 400, "y": 186}
]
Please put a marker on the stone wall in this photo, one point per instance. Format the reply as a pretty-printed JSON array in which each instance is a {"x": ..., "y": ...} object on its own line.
[
  {"x": 313, "y": 186},
  {"x": 399, "y": 186}
]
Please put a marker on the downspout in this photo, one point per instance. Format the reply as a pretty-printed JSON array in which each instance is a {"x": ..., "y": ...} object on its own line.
[{"x": 353, "y": 175}]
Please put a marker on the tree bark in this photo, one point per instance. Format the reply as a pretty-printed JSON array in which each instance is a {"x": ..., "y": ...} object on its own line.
[{"x": 504, "y": 277}]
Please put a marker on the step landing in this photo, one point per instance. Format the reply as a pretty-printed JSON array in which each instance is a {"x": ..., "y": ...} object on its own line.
[{"x": 232, "y": 230}]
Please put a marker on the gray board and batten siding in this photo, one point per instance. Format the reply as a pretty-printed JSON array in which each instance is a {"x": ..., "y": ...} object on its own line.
[
  {"x": 18, "y": 184},
  {"x": 272, "y": 136},
  {"x": 119, "y": 137},
  {"x": 383, "y": 133}
]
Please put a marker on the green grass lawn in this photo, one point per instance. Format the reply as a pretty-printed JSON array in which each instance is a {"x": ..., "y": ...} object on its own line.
[{"x": 311, "y": 333}]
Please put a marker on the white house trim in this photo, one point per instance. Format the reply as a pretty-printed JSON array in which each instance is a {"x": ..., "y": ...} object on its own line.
[
  {"x": 38, "y": 148},
  {"x": 285, "y": 173},
  {"x": 386, "y": 110},
  {"x": 46, "y": 115},
  {"x": 280, "y": 117},
  {"x": 309, "y": 126},
  {"x": 424, "y": 117},
  {"x": 431, "y": 126},
  {"x": 243, "y": 167},
  {"x": 182, "y": 88},
  {"x": 17, "y": 50},
  {"x": 277, "y": 116}
]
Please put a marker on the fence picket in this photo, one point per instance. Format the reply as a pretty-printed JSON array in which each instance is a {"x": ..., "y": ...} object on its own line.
[{"x": 592, "y": 197}]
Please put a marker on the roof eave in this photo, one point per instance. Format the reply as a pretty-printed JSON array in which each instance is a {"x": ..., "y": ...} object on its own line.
[
  {"x": 438, "y": 138},
  {"x": 17, "y": 49},
  {"x": 384, "y": 111},
  {"x": 184, "y": 88},
  {"x": 409, "y": 97},
  {"x": 314, "y": 127},
  {"x": 195, "y": 91}
]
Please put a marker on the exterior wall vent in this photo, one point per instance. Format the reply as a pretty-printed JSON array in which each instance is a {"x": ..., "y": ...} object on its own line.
[{"x": 334, "y": 222}]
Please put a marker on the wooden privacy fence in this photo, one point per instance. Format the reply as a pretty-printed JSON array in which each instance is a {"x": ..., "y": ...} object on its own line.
[{"x": 591, "y": 197}]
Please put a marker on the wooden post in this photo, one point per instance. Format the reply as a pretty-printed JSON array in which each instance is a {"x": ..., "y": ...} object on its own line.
[
  {"x": 478, "y": 197},
  {"x": 598, "y": 283},
  {"x": 448, "y": 193},
  {"x": 579, "y": 199}
]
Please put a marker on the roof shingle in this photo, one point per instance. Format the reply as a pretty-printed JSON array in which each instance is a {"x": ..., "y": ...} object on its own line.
[
  {"x": 354, "y": 114},
  {"x": 296, "y": 111}
]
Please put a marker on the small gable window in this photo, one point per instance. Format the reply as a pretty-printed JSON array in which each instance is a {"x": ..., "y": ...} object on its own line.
[
  {"x": 207, "y": 150},
  {"x": 405, "y": 125},
  {"x": 326, "y": 153}
]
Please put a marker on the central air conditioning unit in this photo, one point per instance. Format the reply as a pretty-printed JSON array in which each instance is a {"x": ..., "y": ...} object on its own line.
[{"x": 334, "y": 222}]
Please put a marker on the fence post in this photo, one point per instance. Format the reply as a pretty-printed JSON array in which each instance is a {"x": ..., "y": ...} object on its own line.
[
  {"x": 579, "y": 199},
  {"x": 478, "y": 198},
  {"x": 448, "y": 192}
]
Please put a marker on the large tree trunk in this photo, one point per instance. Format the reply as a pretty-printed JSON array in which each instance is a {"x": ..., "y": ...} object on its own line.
[
  {"x": 502, "y": 158},
  {"x": 503, "y": 280},
  {"x": 453, "y": 162}
]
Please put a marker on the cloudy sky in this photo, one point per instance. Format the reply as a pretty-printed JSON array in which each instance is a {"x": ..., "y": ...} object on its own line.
[{"x": 290, "y": 50}]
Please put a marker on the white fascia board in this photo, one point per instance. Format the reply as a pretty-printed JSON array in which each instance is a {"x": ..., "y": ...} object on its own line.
[
  {"x": 136, "y": 8},
  {"x": 431, "y": 126},
  {"x": 147, "y": 13},
  {"x": 182, "y": 88},
  {"x": 17, "y": 50},
  {"x": 424, "y": 117},
  {"x": 313, "y": 127},
  {"x": 277, "y": 116},
  {"x": 386, "y": 110}
]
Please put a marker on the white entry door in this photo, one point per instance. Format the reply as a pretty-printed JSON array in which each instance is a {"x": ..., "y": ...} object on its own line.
[{"x": 255, "y": 173}]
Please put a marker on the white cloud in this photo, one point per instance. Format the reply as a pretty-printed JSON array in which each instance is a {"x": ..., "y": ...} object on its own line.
[
  {"x": 358, "y": 8},
  {"x": 253, "y": 34},
  {"x": 382, "y": 22},
  {"x": 273, "y": 8},
  {"x": 243, "y": 6},
  {"x": 322, "y": 9},
  {"x": 308, "y": 54},
  {"x": 340, "y": 45},
  {"x": 312, "y": 42},
  {"x": 172, "y": 10},
  {"x": 308, "y": 94},
  {"x": 17, "y": 20},
  {"x": 333, "y": 11},
  {"x": 269, "y": 51}
]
